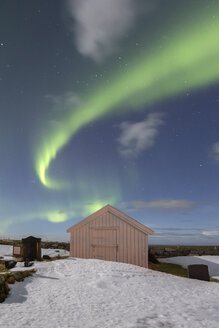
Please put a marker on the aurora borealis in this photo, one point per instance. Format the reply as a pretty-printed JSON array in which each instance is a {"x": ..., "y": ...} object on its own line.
[
  {"x": 68, "y": 118},
  {"x": 195, "y": 52}
]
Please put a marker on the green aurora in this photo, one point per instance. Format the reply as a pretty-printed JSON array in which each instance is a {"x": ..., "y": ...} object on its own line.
[{"x": 187, "y": 61}]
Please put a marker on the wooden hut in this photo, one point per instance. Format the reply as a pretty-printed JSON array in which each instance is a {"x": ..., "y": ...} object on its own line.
[
  {"x": 111, "y": 235},
  {"x": 31, "y": 248}
]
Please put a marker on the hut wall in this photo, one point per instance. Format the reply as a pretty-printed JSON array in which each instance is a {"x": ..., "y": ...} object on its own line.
[
  {"x": 108, "y": 237},
  {"x": 31, "y": 248}
]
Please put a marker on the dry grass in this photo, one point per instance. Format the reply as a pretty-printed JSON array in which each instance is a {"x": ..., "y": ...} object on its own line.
[
  {"x": 214, "y": 280},
  {"x": 174, "y": 269},
  {"x": 2, "y": 268}
]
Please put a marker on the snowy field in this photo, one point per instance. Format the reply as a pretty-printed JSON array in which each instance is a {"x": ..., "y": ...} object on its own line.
[
  {"x": 76, "y": 293},
  {"x": 6, "y": 252},
  {"x": 210, "y": 260}
]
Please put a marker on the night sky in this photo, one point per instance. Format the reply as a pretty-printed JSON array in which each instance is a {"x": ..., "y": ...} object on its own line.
[{"x": 110, "y": 101}]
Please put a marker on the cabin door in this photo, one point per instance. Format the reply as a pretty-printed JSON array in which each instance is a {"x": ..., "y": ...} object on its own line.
[{"x": 104, "y": 244}]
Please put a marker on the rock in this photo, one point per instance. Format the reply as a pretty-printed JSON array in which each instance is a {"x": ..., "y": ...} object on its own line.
[
  {"x": 152, "y": 258},
  {"x": 10, "y": 280},
  {"x": 18, "y": 276},
  {"x": 10, "y": 264},
  {"x": 27, "y": 273},
  {"x": 184, "y": 252},
  {"x": 198, "y": 271},
  {"x": 3, "y": 289},
  {"x": 27, "y": 263},
  {"x": 46, "y": 257}
]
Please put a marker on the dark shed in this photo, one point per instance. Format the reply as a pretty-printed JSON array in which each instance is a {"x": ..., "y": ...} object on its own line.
[{"x": 31, "y": 248}]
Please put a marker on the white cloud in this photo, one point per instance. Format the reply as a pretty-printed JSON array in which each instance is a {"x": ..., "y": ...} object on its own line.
[
  {"x": 165, "y": 204},
  {"x": 138, "y": 136},
  {"x": 101, "y": 24},
  {"x": 215, "y": 151},
  {"x": 211, "y": 233}
]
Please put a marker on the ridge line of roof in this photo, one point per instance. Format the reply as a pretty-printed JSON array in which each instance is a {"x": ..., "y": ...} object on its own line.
[
  {"x": 120, "y": 214},
  {"x": 135, "y": 222}
]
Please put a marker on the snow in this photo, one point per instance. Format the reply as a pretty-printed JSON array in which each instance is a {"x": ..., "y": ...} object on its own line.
[
  {"x": 54, "y": 252},
  {"x": 100, "y": 294},
  {"x": 6, "y": 251},
  {"x": 211, "y": 261}
]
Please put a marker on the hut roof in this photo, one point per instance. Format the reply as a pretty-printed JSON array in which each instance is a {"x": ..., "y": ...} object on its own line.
[
  {"x": 119, "y": 214},
  {"x": 31, "y": 238}
]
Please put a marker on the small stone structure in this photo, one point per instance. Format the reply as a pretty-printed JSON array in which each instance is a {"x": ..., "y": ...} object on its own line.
[
  {"x": 170, "y": 251},
  {"x": 198, "y": 271}
]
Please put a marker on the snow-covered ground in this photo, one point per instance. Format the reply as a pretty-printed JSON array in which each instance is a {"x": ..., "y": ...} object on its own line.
[
  {"x": 210, "y": 260},
  {"x": 76, "y": 293},
  {"x": 6, "y": 251}
]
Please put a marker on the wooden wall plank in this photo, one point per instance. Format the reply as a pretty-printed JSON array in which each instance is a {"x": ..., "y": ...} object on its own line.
[{"x": 132, "y": 243}]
